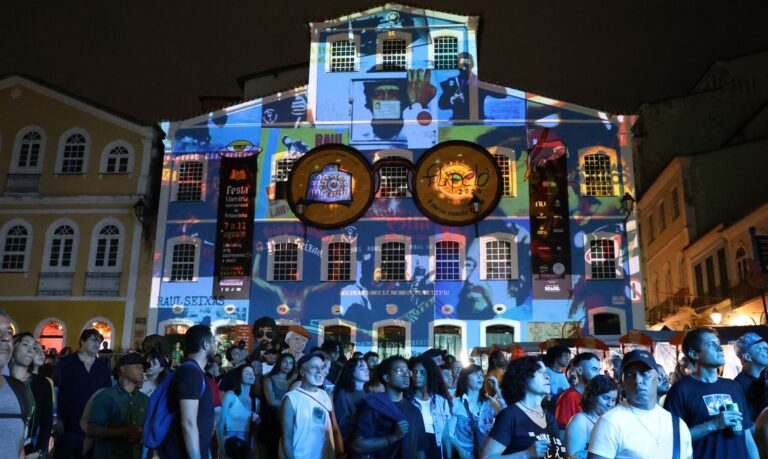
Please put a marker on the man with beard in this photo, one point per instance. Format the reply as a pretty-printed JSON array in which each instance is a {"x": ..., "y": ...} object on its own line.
[
  {"x": 191, "y": 397},
  {"x": 264, "y": 333},
  {"x": 388, "y": 425},
  {"x": 306, "y": 413}
]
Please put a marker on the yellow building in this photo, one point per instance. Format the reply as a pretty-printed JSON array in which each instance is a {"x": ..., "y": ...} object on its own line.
[{"x": 75, "y": 251}]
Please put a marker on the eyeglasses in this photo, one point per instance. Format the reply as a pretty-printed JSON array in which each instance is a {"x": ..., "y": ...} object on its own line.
[
  {"x": 403, "y": 372},
  {"x": 261, "y": 333}
]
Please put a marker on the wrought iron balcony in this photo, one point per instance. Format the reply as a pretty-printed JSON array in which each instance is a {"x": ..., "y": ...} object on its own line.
[
  {"x": 102, "y": 284},
  {"x": 22, "y": 183},
  {"x": 55, "y": 284}
]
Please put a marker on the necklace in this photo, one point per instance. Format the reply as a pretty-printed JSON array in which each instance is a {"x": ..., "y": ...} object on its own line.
[
  {"x": 655, "y": 437},
  {"x": 540, "y": 414}
]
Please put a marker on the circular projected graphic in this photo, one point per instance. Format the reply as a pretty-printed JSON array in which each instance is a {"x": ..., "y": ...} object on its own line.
[
  {"x": 330, "y": 186},
  {"x": 449, "y": 175}
]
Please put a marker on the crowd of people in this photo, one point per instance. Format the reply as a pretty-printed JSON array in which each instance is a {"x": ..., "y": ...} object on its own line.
[{"x": 325, "y": 404}]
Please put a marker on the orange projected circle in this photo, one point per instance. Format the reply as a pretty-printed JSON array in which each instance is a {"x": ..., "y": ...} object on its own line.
[
  {"x": 449, "y": 175},
  {"x": 330, "y": 187}
]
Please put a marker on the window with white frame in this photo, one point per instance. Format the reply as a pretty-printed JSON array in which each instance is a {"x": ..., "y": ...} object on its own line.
[
  {"x": 604, "y": 258},
  {"x": 393, "y": 181},
  {"x": 343, "y": 55},
  {"x": 29, "y": 151},
  {"x": 72, "y": 155},
  {"x": 393, "y": 253},
  {"x": 189, "y": 184},
  {"x": 339, "y": 261},
  {"x": 107, "y": 252},
  {"x": 285, "y": 259},
  {"x": 61, "y": 248},
  {"x": 498, "y": 257},
  {"x": 447, "y": 256},
  {"x": 507, "y": 167},
  {"x": 183, "y": 262},
  {"x": 446, "y": 50},
  {"x": 15, "y": 246},
  {"x": 393, "y": 51},
  {"x": 597, "y": 174},
  {"x": 117, "y": 158}
]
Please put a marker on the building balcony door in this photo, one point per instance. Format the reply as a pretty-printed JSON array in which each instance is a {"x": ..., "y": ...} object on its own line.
[
  {"x": 342, "y": 334},
  {"x": 448, "y": 337},
  {"x": 500, "y": 335},
  {"x": 391, "y": 341}
]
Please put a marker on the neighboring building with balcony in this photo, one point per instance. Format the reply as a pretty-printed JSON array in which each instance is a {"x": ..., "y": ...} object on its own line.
[
  {"x": 72, "y": 252},
  {"x": 702, "y": 173}
]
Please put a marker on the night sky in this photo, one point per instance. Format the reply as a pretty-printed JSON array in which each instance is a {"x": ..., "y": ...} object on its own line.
[{"x": 152, "y": 59}]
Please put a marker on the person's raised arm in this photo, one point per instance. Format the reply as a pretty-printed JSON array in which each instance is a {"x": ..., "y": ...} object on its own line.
[{"x": 189, "y": 428}]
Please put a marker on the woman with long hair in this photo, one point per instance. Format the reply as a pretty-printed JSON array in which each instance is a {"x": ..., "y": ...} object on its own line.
[
  {"x": 473, "y": 414},
  {"x": 429, "y": 394},
  {"x": 523, "y": 427},
  {"x": 40, "y": 412},
  {"x": 349, "y": 390},
  {"x": 240, "y": 415},
  {"x": 158, "y": 368},
  {"x": 276, "y": 384},
  {"x": 599, "y": 396}
]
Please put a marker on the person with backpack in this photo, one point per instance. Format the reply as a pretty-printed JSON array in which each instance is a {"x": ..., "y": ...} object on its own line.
[
  {"x": 13, "y": 407},
  {"x": 180, "y": 420}
]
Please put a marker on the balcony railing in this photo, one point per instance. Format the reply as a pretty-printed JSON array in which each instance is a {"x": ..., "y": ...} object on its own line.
[
  {"x": 668, "y": 307},
  {"x": 22, "y": 183},
  {"x": 102, "y": 284},
  {"x": 55, "y": 284}
]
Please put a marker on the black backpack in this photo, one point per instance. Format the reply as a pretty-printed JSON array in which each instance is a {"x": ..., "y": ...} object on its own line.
[{"x": 20, "y": 390}]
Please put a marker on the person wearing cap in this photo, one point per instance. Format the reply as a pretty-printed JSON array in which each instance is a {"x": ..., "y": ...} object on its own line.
[
  {"x": 118, "y": 412},
  {"x": 306, "y": 414},
  {"x": 296, "y": 338},
  {"x": 707, "y": 403},
  {"x": 638, "y": 427},
  {"x": 752, "y": 350}
]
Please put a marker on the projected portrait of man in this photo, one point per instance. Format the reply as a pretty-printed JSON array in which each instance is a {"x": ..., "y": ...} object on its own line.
[
  {"x": 264, "y": 334},
  {"x": 457, "y": 91}
]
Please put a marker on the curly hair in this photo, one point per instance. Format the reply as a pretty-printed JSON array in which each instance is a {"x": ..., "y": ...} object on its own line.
[
  {"x": 462, "y": 383},
  {"x": 598, "y": 386},
  {"x": 515, "y": 380},
  {"x": 385, "y": 367},
  {"x": 435, "y": 381}
]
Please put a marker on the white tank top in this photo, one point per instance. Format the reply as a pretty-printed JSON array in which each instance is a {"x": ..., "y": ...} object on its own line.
[
  {"x": 313, "y": 423},
  {"x": 238, "y": 415}
]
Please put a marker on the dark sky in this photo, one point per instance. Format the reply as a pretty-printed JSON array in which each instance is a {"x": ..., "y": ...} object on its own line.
[{"x": 151, "y": 59}]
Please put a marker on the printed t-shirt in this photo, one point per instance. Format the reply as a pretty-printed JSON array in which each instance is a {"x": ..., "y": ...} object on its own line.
[
  {"x": 517, "y": 432},
  {"x": 187, "y": 381},
  {"x": 697, "y": 402},
  {"x": 632, "y": 433}
]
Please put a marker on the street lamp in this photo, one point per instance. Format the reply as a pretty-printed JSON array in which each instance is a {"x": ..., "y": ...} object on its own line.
[
  {"x": 716, "y": 317},
  {"x": 628, "y": 204},
  {"x": 474, "y": 207},
  {"x": 300, "y": 207}
]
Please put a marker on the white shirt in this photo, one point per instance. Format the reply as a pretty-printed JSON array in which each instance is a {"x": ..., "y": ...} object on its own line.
[
  {"x": 312, "y": 437},
  {"x": 632, "y": 433},
  {"x": 426, "y": 414}
]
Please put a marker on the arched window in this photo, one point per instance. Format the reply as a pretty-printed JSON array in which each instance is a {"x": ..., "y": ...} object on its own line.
[
  {"x": 51, "y": 334},
  {"x": 106, "y": 249},
  {"x": 742, "y": 264},
  {"x": 61, "y": 249},
  {"x": 15, "y": 248},
  {"x": 117, "y": 158},
  {"x": 29, "y": 152},
  {"x": 72, "y": 154},
  {"x": 599, "y": 171}
]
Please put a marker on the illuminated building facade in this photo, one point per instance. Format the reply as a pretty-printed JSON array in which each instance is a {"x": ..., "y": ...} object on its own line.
[{"x": 399, "y": 86}]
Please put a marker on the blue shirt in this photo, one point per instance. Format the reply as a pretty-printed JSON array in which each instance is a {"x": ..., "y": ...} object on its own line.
[
  {"x": 696, "y": 402},
  {"x": 75, "y": 387}
]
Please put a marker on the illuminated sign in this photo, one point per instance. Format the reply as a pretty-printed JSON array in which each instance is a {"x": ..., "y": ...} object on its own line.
[
  {"x": 447, "y": 178},
  {"x": 330, "y": 186}
]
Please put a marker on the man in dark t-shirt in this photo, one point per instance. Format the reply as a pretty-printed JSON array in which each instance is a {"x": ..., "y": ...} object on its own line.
[
  {"x": 387, "y": 425},
  {"x": 704, "y": 401},
  {"x": 191, "y": 397}
]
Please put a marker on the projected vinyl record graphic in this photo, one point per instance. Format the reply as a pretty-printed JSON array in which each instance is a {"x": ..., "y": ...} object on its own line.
[{"x": 330, "y": 186}]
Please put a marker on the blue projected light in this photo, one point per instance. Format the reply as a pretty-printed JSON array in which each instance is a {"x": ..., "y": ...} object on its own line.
[{"x": 331, "y": 186}]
